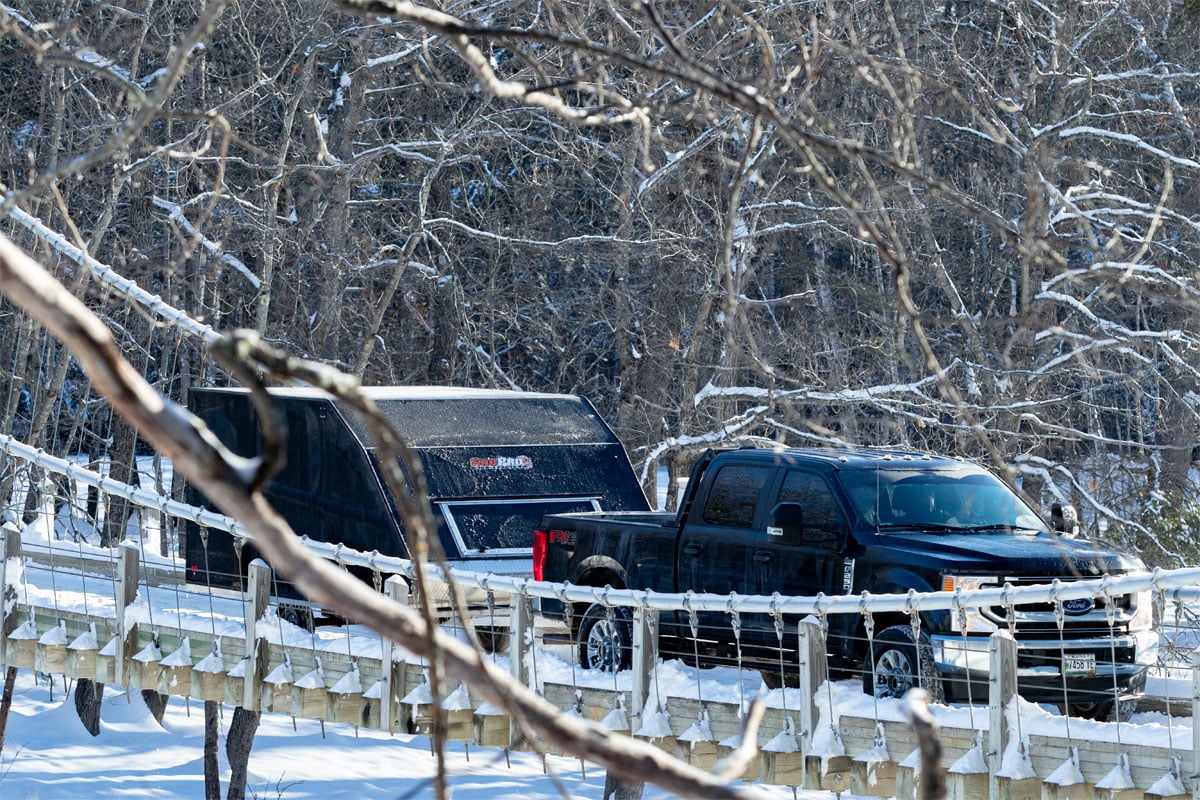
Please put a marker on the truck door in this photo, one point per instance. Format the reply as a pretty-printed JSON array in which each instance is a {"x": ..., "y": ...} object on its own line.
[
  {"x": 801, "y": 560},
  {"x": 715, "y": 544}
]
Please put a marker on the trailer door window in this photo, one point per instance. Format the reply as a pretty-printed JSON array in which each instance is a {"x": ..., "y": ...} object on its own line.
[{"x": 502, "y": 527}]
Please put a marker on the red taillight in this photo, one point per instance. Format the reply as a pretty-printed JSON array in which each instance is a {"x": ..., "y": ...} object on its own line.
[{"x": 539, "y": 555}]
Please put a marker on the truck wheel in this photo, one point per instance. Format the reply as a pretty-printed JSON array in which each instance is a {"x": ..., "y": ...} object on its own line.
[
  {"x": 1100, "y": 710},
  {"x": 605, "y": 641},
  {"x": 896, "y": 665},
  {"x": 1103, "y": 710}
]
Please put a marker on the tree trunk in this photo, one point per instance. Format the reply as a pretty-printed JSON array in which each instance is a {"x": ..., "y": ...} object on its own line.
[
  {"x": 444, "y": 344},
  {"x": 10, "y": 680},
  {"x": 88, "y": 696},
  {"x": 614, "y": 789},
  {"x": 212, "y": 766},
  {"x": 1179, "y": 435},
  {"x": 123, "y": 468},
  {"x": 157, "y": 703},
  {"x": 238, "y": 742}
]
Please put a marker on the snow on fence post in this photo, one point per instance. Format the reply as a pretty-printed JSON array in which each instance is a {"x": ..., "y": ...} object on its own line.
[
  {"x": 10, "y": 551},
  {"x": 259, "y": 598},
  {"x": 643, "y": 660},
  {"x": 397, "y": 589},
  {"x": 47, "y": 503},
  {"x": 125, "y": 642}
]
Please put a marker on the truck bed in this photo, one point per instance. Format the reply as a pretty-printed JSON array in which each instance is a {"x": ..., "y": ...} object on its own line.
[
  {"x": 646, "y": 539},
  {"x": 603, "y": 519}
]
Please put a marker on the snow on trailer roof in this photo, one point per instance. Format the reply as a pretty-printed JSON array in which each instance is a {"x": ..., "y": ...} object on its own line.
[{"x": 400, "y": 392}]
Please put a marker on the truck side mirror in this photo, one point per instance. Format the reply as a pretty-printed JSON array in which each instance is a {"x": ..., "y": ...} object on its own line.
[
  {"x": 786, "y": 521},
  {"x": 1064, "y": 519}
]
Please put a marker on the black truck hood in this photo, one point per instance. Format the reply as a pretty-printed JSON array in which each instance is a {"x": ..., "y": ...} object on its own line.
[{"x": 1002, "y": 554}]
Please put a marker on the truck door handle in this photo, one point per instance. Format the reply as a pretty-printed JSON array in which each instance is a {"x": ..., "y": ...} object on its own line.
[
  {"x": 763, "y": 558},
  {"x": 692, "y": 550}
]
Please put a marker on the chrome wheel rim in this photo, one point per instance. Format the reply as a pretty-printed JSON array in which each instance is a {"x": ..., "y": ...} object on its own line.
[
  {"x": 603, "y": 646},
  {"x": 893, "y": 673}
]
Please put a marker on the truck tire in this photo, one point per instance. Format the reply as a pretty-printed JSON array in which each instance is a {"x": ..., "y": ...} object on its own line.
[
  {"x": 1104, "y": 710},
  {"x": 897, "y": 664},
  {"x": 605, "y": 638}
]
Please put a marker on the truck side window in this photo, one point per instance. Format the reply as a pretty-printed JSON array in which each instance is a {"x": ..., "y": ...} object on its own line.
[
  {"x": 733, "y": 498},
  {"x": 821, "y": 509}
]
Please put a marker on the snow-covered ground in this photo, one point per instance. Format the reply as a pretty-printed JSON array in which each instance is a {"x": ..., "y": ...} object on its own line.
[{"x": 48, "y": 755}]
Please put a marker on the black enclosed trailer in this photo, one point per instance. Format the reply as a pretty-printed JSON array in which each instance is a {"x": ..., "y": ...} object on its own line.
[{"x": 495, "y": 462}]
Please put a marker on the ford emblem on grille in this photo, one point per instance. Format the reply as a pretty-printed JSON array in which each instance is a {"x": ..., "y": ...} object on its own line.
[{"x": 1080, "y": 605}]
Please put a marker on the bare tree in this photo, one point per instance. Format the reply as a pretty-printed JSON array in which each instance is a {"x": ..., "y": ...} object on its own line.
[{"x": 234, "y": 486}]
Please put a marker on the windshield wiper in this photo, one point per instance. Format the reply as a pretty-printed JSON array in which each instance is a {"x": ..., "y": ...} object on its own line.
[
  {"x": 924, "y": 527},
  {"x": 998, "y": 528}
]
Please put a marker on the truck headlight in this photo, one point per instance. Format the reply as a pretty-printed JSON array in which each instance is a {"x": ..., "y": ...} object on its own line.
[
  {"x": 969, "y": 620},
  {"x": 1143, "y": 612},
  {"x": 1146, "y": 644}
]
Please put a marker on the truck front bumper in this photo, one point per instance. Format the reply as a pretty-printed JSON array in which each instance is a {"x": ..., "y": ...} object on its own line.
[{"x": 1092, "y": 674}]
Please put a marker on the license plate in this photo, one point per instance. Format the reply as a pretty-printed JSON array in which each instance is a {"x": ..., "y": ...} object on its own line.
[{"x": 1079, "y": 663}]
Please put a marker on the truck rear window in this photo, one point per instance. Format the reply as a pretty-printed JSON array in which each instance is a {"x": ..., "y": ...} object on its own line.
[
  {"x": 501, "y": 527},
  {"x": 733, "y": 498}
]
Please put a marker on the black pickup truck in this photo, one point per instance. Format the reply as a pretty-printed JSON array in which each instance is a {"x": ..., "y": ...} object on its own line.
[{"x": 841, "y": 521}]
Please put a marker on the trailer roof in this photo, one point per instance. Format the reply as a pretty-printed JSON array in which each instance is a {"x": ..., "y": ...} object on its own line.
[{"x": 449, "y": 416}]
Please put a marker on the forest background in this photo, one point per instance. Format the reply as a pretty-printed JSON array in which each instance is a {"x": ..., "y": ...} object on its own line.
[{"x": 963, "y": 227}]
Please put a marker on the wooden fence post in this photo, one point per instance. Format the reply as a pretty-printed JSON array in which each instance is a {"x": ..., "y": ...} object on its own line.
[
  {"x": 643, "y": 659},
  {"x": 817, "y": 771},
  {"x": 127, "y": 632},
  {"x": 259, "y": 575},
  {"x": 520, "y": 641},
  {"x": 10, "y": 548},
  {"x": 1195, "y": 776},
  {"x": 814, "y": 671},
  {"x": 1002, "y": 687},
  {"x": 397, "y": 589},
  {"x": 518, "y": 647}
]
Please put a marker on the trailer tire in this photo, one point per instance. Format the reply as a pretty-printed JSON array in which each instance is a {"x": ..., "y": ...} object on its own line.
[
  {"x": 493, "y": 639},
  {"x": 606, "y": 638},
  {"x": 299, "y": 615},
  {"x": 896, "y": 664}
]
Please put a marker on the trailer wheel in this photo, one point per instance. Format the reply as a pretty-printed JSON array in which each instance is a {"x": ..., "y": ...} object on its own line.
[
  {"x": 897, "y": 664},
  {"x": 299, "y": 615},
  {"x": 605, "y": 638},
  {"x": 492, "y": 639}
]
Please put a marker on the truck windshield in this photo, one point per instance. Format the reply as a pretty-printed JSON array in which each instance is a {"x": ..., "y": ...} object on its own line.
[{"x": 954, "y": 501}]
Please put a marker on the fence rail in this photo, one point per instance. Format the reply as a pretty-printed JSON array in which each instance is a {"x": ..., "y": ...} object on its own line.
[{"x": 129, "y": 617}]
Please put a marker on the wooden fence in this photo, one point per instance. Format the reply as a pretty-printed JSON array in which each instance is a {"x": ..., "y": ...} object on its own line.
[{"x": 809, "y": 744}]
